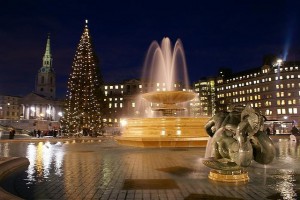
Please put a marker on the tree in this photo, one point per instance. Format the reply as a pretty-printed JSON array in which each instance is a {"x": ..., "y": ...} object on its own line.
[{"x": 84, "y": 96}]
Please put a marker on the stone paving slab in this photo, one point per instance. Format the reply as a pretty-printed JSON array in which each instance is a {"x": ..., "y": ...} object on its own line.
[{"x": 100, "y": 170}]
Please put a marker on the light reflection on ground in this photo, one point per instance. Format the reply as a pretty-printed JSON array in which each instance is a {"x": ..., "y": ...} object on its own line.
[{"x": 98, "y": 168}]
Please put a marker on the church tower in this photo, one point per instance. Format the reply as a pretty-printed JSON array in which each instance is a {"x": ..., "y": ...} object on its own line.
[{"x": 45, "y": 82}]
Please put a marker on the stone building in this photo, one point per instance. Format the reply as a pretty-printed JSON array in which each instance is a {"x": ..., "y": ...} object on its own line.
[
  {"x": 273, "y": 89},
  {"x": 39, "y": 109}
]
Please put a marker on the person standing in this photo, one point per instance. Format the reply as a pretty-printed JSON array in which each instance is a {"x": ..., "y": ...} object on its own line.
[{"x": 12, "y": 134}]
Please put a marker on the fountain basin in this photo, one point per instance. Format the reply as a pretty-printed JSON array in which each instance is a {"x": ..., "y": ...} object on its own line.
[
  {"x": 164, "y": 132},
  {"x": 169, "y": 97}
]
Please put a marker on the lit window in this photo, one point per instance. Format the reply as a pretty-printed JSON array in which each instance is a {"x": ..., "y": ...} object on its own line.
[
  {"x": 116, "y": 87},
  {"x": 278, "y": 111},
  {"x": 111, "y": 87},
  {"x": 121, "y": 105},
  {"x": 133, "y": 104},
  {"x": 290, "y": 110},
  {"x": 295, "y": 110},
  {"x": 105, "y": 87},
  {"x": 122, "y": 86},
  {"x": 140, "y": 86}
]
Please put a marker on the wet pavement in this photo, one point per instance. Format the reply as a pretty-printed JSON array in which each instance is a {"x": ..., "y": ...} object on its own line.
[{"x": 102, "y": 169}]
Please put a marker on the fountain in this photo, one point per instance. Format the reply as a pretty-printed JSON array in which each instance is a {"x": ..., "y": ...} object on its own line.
[{"x": 171, "y": 126}]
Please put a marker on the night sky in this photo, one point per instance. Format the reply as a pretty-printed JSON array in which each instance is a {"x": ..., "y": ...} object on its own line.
[{"x": 235, "y": 34}]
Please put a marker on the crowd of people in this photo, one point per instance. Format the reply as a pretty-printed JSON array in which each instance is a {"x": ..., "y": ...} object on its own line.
[{"x": 39, "y": 133}]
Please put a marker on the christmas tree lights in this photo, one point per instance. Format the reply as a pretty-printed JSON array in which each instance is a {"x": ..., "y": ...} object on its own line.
[{"x": 84, "y": 96}]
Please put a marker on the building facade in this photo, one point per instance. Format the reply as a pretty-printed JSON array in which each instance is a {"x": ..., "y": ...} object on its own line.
[
  {"x": 38, "y": 109},
  {"x": 206, "y": 104},
  {"x": 273, "y": 89},
  {"x": 10, "y": 107}
]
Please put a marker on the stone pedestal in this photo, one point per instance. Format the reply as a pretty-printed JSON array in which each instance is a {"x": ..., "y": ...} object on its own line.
[{"x": 229, "y": 176}]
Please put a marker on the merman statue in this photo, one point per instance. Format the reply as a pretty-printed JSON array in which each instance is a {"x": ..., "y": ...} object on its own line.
[{"x": 237, "y": 138}]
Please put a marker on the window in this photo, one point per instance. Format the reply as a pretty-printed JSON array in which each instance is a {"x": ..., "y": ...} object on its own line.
[
  {"x": 295, "y": 110},
  {"x": 278, "y": 102}
]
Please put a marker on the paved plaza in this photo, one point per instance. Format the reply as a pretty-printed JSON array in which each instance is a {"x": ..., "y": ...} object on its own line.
[{"x": 102, "y": 169}]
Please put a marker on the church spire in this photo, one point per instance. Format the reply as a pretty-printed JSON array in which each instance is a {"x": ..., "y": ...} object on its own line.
[
  {"x": 45, "y": 83},
  {"x": 47, "y": 59}
]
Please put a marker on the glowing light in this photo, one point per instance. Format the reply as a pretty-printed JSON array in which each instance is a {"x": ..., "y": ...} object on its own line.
[
  {"x": 60, "y": 114},
  {"x": 32, "y": 109},
  {"x": 123, "y": 122},
  {"x": 163, "y": 132},
  {"x": 178, "y": 132}
]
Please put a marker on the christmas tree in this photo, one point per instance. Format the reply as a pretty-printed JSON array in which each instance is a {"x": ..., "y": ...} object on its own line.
[{"x": 84, "y": 97}]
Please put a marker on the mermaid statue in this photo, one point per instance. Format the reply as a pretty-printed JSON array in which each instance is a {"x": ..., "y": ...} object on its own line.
[{"x": 236, "y": 138}]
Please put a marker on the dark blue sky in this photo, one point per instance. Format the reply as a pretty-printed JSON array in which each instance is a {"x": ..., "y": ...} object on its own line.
[{"x": 231, "y": 33}]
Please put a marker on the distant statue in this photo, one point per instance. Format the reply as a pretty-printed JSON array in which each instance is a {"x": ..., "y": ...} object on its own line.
[{"x": 237, "y": 138}]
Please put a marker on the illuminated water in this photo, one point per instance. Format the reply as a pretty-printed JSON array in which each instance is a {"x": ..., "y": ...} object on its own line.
[
  {"x": 165, "y": 65},
  {"x": 93, "y": 169}
]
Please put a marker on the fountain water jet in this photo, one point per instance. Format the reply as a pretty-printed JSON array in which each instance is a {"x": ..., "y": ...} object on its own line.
[{"x": 165, "y": 68}]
